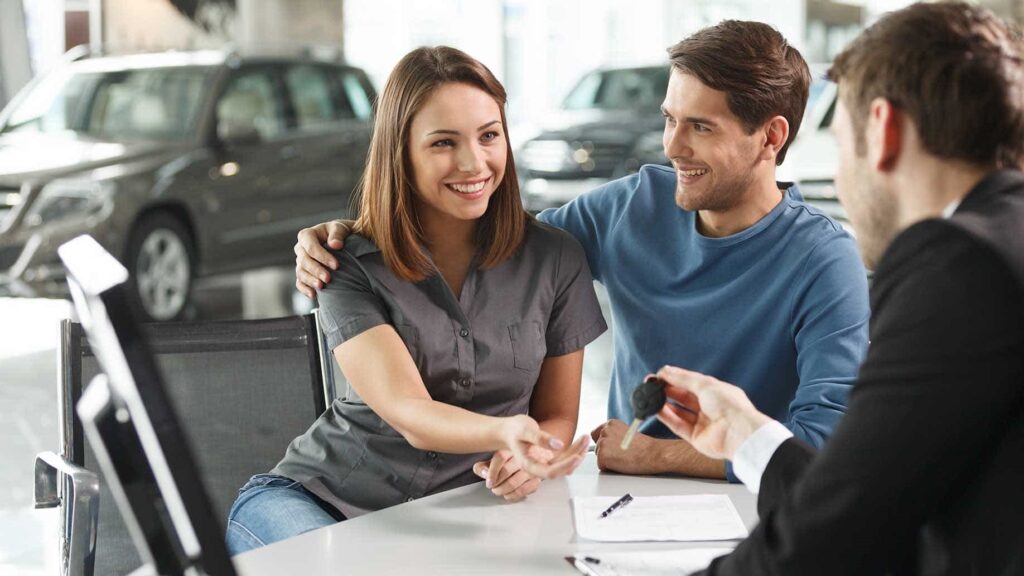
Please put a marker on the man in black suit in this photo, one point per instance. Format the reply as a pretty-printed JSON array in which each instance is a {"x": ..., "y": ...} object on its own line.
[{"x": 925, "y": 475}]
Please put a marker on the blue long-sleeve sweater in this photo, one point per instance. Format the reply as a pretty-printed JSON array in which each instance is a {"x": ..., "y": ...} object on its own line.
[{"x": 779, "y": 309}]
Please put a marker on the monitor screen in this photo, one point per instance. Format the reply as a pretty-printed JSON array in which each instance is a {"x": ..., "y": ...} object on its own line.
[{"x": 133, "y": 429}]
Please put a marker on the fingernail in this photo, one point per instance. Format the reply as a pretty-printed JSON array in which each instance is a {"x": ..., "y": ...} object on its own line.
[
  {"x": 483, "y": 472},
  {"x": 488, "y": 483},
  {"x": 556, "y": 443}
]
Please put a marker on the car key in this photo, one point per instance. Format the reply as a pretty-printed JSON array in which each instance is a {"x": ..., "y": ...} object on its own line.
[{"x": 647, "y": 399}]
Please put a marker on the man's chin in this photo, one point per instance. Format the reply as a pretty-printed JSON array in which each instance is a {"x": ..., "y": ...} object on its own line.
[{"x": 686, "y": 201}]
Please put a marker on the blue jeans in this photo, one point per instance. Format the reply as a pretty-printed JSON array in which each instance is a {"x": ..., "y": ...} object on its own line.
[{"x": 271, "y": 508}]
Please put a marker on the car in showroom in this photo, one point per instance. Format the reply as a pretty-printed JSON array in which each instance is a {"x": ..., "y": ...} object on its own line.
[
  {"x": 610, "y": 124},
  {"x": 181, "y": 164}
]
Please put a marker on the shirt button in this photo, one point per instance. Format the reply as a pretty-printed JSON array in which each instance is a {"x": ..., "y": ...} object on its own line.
[
  {"x": 463, "y": 332},
  {"x": 409, "y": 499},
  {"x": 432, "y": 455},
  {"x": 464, "y": 382}
]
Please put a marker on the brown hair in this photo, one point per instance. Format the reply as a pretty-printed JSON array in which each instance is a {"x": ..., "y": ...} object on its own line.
[
  {"x": 954, "y": 69},
  {"x": 386, "y": 193},
  {"x": 760, "y": 73}
]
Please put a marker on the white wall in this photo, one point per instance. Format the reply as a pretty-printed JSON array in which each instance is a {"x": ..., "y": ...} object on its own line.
[
  {"x": 287, "y": 25},
  {"x": 150, "y": 25},
  {"x": 379, "y": 32},
  {"x": 15, "y": 71},
  {"x": 540, "y": 48}
]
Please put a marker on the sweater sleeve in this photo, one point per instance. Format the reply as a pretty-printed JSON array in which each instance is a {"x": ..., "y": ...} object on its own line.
[
  {"x": 590, "y": 217},
  {"x": 830, "y": 314}
]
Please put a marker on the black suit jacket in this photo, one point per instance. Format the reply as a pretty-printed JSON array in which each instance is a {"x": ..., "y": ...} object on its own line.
[{"x": 925, "y": 474}]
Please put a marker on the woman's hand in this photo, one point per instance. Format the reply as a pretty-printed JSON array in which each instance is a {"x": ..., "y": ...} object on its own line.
[
  {"x": 522, "y": 436},
  {"x": 506, "y": 478}
]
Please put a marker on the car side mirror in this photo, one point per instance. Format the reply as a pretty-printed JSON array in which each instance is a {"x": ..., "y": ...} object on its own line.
[{"x": 234, "y": 133}]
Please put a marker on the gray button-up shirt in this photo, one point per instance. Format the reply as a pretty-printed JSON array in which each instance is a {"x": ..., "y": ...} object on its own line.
[{"x": 482, "y": 352}]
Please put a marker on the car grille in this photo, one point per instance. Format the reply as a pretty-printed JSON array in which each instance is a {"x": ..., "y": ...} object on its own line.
[
  {"x": 5, "y": 192},
  {"x": 557, "y": 159},
  {"x": 9, "y": 255},
  {"x": 9, "y": 198}
]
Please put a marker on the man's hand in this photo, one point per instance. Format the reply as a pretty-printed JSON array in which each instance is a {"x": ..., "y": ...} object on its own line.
[
  {"x": 312, "y": 260},
  {"x": 641, "y": 457},
  {"x": 718, "y": 417}
]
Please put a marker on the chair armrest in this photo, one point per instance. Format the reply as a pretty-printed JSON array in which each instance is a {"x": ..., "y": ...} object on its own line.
[
  {"x": 57, "y": 482},
  {"x": 47, "y": 488}
]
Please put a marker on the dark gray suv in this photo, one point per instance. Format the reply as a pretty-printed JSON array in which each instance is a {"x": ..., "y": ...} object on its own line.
[
  {"x": 180, "y": 164},
  {"x": 607, "y": 127}
]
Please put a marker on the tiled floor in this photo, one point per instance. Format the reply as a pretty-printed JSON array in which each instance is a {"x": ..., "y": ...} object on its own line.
[{"x": 28, "y": 413}]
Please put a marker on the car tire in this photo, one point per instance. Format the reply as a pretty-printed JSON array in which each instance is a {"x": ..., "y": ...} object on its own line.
[{"x": 161, "y": 260}]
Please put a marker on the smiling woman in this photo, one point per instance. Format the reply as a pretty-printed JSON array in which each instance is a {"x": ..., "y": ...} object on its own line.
[
  {"x": 458, "y": 321},
  {"x": 447, "y": 125}
]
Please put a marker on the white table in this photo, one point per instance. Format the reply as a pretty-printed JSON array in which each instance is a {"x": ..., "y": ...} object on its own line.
[{"x": 470, "y": 531}]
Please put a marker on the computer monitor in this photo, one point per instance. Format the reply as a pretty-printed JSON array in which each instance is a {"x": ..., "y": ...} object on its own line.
[{"x": 129, "y": 420}]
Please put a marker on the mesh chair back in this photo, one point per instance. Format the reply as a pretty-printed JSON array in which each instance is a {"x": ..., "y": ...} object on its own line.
[{"x": 242, "y": 391}]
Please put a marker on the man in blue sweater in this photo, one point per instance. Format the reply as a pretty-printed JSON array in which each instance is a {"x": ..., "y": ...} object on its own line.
[{"x": 712, "y": 264}]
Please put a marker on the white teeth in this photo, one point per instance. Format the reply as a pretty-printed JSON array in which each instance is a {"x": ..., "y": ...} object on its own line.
[
  {"x": 468, "y": 188},
  {"x": 700, "y": 172}
]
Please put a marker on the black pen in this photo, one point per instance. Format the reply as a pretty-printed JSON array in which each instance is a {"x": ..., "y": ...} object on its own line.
[{"x": 618, "y": 504}]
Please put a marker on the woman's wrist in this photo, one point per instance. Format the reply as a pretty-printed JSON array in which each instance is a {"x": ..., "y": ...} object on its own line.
[{"x": 505, "y": 432}]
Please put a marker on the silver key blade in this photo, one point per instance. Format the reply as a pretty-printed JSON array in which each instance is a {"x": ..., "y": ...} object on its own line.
[{"x": 628, "y": 438}]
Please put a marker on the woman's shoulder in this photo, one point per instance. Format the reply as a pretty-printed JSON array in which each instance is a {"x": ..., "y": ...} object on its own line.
[
  {"x": 357, "y": 246},
  {"x": 549, "y": 240},
  {"x": 545, "y": 235},
  {"x": 356, "y": 262}
]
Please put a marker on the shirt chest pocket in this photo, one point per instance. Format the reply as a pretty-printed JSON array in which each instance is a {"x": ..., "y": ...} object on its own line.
[{"x": 528, "y": 345}]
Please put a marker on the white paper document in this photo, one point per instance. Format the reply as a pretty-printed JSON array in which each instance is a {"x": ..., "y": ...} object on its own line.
[
  {"x": 702, "y": 517},
  {"x": 648, "y": 562}
]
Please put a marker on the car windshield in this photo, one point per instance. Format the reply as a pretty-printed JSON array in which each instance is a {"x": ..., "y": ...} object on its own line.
[
  {"x": 135, "y": 104},
  {"x": 632, "y": 88}
]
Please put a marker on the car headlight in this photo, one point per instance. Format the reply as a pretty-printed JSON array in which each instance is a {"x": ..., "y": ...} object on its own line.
[
  {"x": 546, "y": 155},
  {"x": 649, "y": 149},
  {"x": 63, "y": 199}
]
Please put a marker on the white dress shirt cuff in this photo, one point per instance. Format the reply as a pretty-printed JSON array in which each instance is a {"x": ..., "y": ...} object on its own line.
[{"x": 752, "y": 456}]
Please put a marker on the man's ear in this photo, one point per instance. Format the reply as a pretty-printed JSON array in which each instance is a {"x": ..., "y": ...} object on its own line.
[
  {"x": 776, "y": 133},
  {"x": 884, "y": 134}
]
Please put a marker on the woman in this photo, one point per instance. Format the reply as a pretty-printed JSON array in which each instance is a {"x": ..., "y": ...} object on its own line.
[{"x": 458, "y": 321}]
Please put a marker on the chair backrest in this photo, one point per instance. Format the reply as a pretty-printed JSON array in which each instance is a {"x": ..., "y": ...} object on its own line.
[{"x": 242, "y": 389}]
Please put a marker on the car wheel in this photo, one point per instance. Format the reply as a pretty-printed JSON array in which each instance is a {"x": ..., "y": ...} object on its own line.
[{"x": 160, "y": 258}]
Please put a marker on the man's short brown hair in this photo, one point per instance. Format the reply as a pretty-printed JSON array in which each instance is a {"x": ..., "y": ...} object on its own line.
[
  {"x": 954, "y": 69},
  {"x": 760, "y": 73}
]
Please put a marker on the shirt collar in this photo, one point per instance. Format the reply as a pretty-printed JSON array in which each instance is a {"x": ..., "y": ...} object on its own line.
[{"x": 951, "y": 207}]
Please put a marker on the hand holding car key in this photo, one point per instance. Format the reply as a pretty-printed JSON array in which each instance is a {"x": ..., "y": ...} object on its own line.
[{"x": 647, "y": 399}]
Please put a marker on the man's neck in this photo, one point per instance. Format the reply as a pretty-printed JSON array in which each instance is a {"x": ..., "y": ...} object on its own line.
[
  {"x": 933, "y": 185},
  {"x": 755, "y": 204}
]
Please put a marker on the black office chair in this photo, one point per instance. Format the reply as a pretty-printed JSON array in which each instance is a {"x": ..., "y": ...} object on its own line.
[{"x": 242, "y": 389}]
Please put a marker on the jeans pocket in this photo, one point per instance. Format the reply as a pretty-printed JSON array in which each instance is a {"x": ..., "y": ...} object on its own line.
[
  {"x": 267, "y": 480},
  {"x": 257, "y": 484}
]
